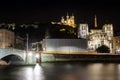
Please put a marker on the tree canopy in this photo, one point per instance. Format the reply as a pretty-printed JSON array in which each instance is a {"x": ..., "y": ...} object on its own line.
[{"x": 103, "y": 49}]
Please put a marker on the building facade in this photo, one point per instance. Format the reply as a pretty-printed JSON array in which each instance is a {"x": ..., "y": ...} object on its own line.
[
  {"x": 83, "y": 31},
  {"x": 6, "y": 38},
  {"x": 97, "y": 37},
  {"x": 65, "y": 46},
  {"x": 116, "y": 44}
]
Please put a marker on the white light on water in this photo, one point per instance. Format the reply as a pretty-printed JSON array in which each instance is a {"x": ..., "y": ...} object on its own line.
[
  {"x": 32, "y": 73},
  {"x": 38, "y": 73},
  {"x": 28, "y": 73}
]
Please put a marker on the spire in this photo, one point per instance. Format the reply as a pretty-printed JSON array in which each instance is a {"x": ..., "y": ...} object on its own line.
[
  {"x": 62, "y": 19},
  {"x": 72, "y": 15},
  {"x": 95, "y": 21},
  {"x": 67, "y": 15}
]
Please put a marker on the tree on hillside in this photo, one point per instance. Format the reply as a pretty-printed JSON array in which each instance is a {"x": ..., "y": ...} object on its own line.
[
  {"x": 103, "y": 49},
  {"x": 62, "y": 31}
]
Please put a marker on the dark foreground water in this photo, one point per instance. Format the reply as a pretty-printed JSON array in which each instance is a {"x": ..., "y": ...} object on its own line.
[{"x": 62, "y": 71}]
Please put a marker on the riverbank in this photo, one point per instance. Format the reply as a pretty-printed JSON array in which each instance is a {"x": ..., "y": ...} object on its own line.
[
  {"x": 80, "y": 57},
  {"x": 3, "y": 63}
]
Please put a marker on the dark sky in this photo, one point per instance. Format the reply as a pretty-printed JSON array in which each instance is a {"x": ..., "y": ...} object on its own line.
[{"x": 107, "y": 11}]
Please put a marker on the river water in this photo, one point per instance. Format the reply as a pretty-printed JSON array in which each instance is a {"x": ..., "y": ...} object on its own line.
[{"x": 62, "y": 71}]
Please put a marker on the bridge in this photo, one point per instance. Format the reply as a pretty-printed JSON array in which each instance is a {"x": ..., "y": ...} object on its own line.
[{"x": 15, "y": 56}]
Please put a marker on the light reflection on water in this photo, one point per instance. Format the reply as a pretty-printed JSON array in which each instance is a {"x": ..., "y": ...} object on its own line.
[
  {"x": 102, "y": 71},
  {"x": 31, "y": 73},
  {"x": 62, "y": 71},
  {"x": 38, "y": 73}
]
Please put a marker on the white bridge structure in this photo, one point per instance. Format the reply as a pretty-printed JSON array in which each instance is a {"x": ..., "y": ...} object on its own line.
[{"x": 17, "y": 56}]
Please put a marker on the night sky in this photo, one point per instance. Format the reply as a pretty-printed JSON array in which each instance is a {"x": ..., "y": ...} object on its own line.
[{"x": 25, "y": 11}]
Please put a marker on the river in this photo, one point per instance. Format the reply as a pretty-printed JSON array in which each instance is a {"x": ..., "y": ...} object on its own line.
[{"x": 62, "y": 71}]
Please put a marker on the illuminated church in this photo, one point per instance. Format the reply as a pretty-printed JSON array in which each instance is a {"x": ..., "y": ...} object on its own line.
[
  {"x": 97, "y": 37},
  {"x": 69, "y": 21}
]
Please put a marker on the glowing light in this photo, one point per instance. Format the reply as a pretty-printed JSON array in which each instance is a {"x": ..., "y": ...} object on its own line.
[
  {"x": 37, "y": 55},
  {"x": 43, "y": 49},
  {"x": 30, "y": 54},
  {"x": 62, "y": 29}
]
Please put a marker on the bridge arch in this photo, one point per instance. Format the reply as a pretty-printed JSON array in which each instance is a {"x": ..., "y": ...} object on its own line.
[
  {"x": 12, "y": 58},
  {"x": 16, "y": 56}
]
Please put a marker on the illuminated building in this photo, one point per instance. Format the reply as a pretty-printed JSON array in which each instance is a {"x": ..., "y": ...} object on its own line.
[
  {"x": 69, "y": 21},
  {"x": 116, "y": 44},
  {"x": 97, "y": 37},
  {"x": 6, "y": 38},
  {"x": 65, "y": 46},
  {"x": 83, "y": 31}
]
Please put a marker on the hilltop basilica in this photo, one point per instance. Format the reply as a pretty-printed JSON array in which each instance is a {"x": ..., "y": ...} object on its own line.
[
  {"x": 95, "y": 37},
  {"x": 69, "y": 21}
]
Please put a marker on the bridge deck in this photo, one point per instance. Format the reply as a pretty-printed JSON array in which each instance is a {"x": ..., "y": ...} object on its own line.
[{"x": 58, "y": 52}]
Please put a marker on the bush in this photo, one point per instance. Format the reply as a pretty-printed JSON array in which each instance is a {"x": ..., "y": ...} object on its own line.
[{"x": 103, "y": 49}]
